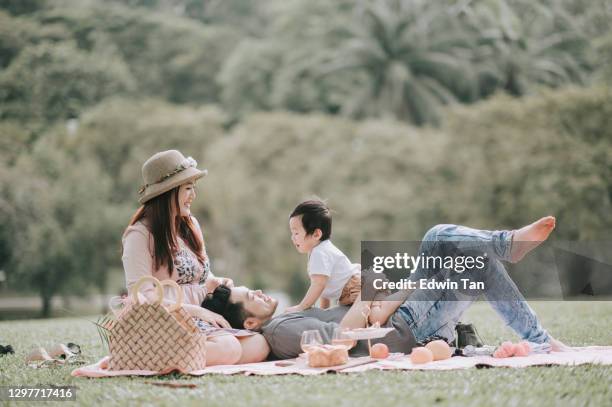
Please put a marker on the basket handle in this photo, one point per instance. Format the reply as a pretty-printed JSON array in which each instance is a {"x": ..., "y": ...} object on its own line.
[
  {"x": 179, "y": 298},
  {"x": 141, "y": 281}
]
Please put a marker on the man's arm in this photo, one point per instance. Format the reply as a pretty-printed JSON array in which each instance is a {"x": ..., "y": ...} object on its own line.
[{"x": 255, "y": 348}]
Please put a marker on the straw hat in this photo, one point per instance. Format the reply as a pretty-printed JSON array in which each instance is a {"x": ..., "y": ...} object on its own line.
[{"x": 167, "y": 170}]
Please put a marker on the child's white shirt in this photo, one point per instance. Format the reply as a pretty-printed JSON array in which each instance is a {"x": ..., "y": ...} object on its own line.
[{"x": 327, "y": 260}]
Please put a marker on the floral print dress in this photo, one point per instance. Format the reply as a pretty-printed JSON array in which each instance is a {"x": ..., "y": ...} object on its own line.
[{"x": 189, "y": 269}]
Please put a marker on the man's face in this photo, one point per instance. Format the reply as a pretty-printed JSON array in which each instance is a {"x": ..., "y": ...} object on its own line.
[{"x": 256, "y": 303}]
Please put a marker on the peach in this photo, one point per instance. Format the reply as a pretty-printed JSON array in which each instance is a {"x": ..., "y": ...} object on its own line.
[
  {"x": 505, "y": 350},
  {"x": 440, "y": 349},
  {"x": 421, "y": 355},
  {"x": 522, "y": 349},
  {"x": 379, "y": 351}
]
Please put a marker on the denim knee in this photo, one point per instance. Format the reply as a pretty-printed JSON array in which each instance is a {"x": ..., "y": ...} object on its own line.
[
  {"x": 433, "y": 232},
  {"x": 430, "y": 239}
]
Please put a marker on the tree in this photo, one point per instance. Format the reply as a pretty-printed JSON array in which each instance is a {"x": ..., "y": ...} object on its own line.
[
  {"x": 278, "y": 69},
  {"x": 13, "y": 37},
  {"x": 247, "y": 75},
  {"x": 526, "y": 45},
  {"x": 22, "y": 6},
  {"x": 57, "y": 210},
  {"x": 48, "y": 82},
  {"x": 14, "y": 141},
  {"x": 604, "y": 49},
  {"x": 413, "y": 55},
  {"x": 168, "y": 56},
  {"x": 529, "y": 157}
]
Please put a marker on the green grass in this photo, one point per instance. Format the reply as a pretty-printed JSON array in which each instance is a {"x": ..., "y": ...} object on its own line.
[{"x": 577, "y": 323}]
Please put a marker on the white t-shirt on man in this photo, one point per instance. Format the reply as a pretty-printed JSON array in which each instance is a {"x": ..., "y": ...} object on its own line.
[{"x": 327, "y": 260}]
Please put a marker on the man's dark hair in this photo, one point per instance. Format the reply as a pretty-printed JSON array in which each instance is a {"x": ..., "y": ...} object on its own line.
[
  {"x": 315, "y": 215},
  {"x": 219, "y": 302}
]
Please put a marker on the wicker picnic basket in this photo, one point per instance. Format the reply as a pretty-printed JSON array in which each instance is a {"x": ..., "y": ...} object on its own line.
[{"x": 155, "y": 337}]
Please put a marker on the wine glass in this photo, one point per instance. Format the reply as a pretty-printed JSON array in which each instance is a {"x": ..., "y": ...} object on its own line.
[
  {"x": 340, "y": 338},
  {"x": 310, "y": 339}
]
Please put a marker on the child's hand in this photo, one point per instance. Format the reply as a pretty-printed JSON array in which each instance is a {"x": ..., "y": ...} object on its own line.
[{"x": 295, "y": 308}]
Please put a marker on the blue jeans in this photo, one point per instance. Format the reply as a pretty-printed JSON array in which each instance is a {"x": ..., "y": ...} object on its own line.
[{"x": 437, "y": 312}]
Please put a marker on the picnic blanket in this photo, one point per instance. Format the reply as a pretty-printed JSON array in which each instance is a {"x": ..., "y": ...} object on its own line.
[{"x": 578, "y": 356}]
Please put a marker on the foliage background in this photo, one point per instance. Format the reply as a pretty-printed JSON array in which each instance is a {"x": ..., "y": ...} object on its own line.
[{"x": 402, "y": 114}]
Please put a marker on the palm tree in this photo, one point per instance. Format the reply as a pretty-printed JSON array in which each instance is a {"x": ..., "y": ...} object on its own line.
[
  {"x": 524, "y": 45},
  {"x": 413, "y": 56}
]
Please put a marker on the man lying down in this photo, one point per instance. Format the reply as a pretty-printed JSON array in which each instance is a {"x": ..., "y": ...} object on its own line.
[
  {"x": 414, "y": 314},
  {"x": 252, "y": 309}
]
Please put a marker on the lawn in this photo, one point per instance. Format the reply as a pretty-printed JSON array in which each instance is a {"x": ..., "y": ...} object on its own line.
[{"x": 577, "y": 323}]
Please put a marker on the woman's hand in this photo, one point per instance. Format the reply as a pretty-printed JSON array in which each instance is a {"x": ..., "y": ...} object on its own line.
[
  {"x": 213, "y": 318},
  {"x": 212, "y": 283},
  {"x": 228, "y": 282}
]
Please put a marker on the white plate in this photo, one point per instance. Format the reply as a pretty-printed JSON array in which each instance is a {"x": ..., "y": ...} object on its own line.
[{"x": 367, "y": 333}]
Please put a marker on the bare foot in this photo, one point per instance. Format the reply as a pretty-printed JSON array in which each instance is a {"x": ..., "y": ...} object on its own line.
[
  {"x": 529, "y": 237},
  {"x": 558, "y": 346}
]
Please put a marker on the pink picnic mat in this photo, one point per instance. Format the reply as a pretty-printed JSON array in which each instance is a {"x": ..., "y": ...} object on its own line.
[{"x": 601, "y": 355}]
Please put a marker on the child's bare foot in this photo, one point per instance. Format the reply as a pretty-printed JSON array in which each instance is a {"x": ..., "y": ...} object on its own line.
[{"x": 529, "y": 237}]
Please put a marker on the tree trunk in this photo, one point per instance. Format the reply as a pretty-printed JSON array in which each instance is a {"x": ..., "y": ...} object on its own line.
[{"x": 46, "y": 305}]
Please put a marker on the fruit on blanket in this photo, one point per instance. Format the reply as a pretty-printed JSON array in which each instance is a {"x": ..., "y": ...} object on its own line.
[
  {"x": 508, "y": 349},
  {"x": 421, "y": 355},
  {"x": 505, "y": 350},
  {"x": 379, "y": 351},
  {"x": 439, "y": 349},
  {"x": 522, "y": 349}
]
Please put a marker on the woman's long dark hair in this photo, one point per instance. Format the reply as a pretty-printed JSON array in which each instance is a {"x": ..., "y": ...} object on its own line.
[{"x": 158, "y": 213}]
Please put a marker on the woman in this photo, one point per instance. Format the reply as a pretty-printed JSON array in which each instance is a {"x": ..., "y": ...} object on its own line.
[{"x": 165, "y": 241}]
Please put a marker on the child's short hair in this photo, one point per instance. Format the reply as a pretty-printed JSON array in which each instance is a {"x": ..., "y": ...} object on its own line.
[{"x": 315, "y": 215}]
